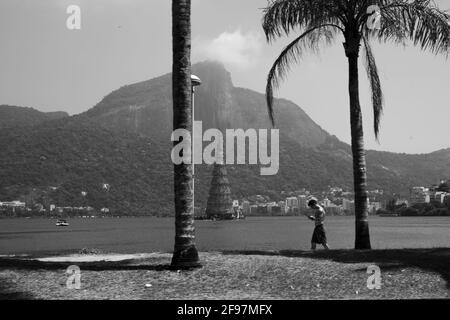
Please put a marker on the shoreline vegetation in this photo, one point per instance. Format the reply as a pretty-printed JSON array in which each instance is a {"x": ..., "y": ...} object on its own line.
[{"x": 285, "y": 274}]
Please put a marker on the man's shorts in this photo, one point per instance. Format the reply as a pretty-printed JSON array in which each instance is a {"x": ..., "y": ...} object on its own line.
[{"x": 319, "y": 235}]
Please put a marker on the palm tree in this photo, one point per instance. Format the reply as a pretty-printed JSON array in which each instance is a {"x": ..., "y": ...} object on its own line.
[
  {"x": 320, "y": 21},
  {"x": 185, "y": 253}
]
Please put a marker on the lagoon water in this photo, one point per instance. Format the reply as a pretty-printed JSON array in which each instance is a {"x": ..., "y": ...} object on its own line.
[{"x": 149, "y": 234}]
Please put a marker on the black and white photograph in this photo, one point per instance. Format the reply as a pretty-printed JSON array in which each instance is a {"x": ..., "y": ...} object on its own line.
[{"x": 223, "y": 155}]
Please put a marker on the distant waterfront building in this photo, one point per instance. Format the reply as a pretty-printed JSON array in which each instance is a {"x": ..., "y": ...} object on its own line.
[
  {"x": 253, "y": 210},
  {"x": 282, "y": 206},
  {"x": 302, "y": 203},
  {"x": 262, "y": 210},
  {"x": 374, "y": 206},
  {"x": 292, "y": 202},
  {"x": 13, "y": 204},
  {"x": 437, "y": 196},
  {"x": 419, "y": 195},
  {"x": 334, "y": 210},
  {"x": 447, "y": 199},
  {"x": 273, "y": 208},
  {"x": 348, "y": 205},
  {"x": 291, "y": 205},
  {"x": 246, "y": 207},
  {"x": 326, "y": 202}
]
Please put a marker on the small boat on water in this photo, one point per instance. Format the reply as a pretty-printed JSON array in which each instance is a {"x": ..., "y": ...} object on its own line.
[{"x": 62, "y": 223}]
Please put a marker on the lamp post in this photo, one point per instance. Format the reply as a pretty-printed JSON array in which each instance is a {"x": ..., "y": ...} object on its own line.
[{"x": 195, "y": 81}]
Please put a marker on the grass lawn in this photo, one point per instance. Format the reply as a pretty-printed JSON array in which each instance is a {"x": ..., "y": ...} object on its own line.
[{"x": 334, "y": 274}]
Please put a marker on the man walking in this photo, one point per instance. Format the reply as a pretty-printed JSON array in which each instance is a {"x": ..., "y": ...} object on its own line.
[{"x": 319, "y": 234}]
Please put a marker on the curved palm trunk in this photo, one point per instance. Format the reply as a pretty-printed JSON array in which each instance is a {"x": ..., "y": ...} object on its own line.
[
  {"x": 362, "y": 238},
  {"x": 185, "y": 254}
]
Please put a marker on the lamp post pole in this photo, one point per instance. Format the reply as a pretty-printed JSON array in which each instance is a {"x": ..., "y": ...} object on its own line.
[{"x": 195, "y": 81}]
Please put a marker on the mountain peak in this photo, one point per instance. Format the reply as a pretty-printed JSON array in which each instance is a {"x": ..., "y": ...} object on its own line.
[
  {"x": 212, "y": 71},
  {"x": 210, "y": 64},
  {"x": 146, "y": 107}
]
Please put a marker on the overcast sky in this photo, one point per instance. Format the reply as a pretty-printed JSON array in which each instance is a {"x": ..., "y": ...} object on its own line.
[{"x": 46, "y": 66}]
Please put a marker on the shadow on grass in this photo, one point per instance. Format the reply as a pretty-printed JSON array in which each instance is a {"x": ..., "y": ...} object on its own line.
[
  {"x": 8, "y": 292},
  {"x": 8, "y": 288},
  {"x": 436, "y": 260},
  {"x": 124, "y": 265}
]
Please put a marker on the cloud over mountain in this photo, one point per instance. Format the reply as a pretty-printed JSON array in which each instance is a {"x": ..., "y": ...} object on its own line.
[{"x": 235, "y": 49}]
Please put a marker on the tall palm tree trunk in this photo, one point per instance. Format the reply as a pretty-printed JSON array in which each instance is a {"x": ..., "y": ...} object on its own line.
[
  {"x": 185, "y": 253},
  {"x": 362, "y": 238}
]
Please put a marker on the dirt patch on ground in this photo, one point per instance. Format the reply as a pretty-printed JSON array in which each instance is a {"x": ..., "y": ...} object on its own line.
[{"x": 334, "y": 274}]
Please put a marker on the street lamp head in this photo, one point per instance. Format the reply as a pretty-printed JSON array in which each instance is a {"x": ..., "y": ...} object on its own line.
[{"x": 195, "y": 81}]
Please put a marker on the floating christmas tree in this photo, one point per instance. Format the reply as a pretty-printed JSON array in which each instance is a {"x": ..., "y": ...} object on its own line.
[{"x": 219, "y": 204}]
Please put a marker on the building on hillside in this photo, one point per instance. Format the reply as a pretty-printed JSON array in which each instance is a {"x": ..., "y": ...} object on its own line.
[
  {"x": 373, "y": 207},
  {"x": 419, "y": 195},
  {"x": 302, "y": 201},
  {"x": 273, "y": 208},
  {"x": 447, "y": 199},
  {"x": 292, "y": 202},
  {"x": 334, "y": 210},
  {"x": 348, "y": 205},
  {"x": 286, "y": 209},
  {"x": 282, "y": 206},
  {"x": 437, "y": 196},
  {"x": 262, "y": 210},
  {"x": 326, "y": 202},
  {"x": 12, "y": 204}
]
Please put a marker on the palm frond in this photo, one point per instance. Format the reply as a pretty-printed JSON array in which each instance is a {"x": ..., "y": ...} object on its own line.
[
  {"x": 282, "y": 16},
  {"x": 375, "y": 85},
  {"x": 420, "y": 21},
  {"x": 310, "y": 39}
]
